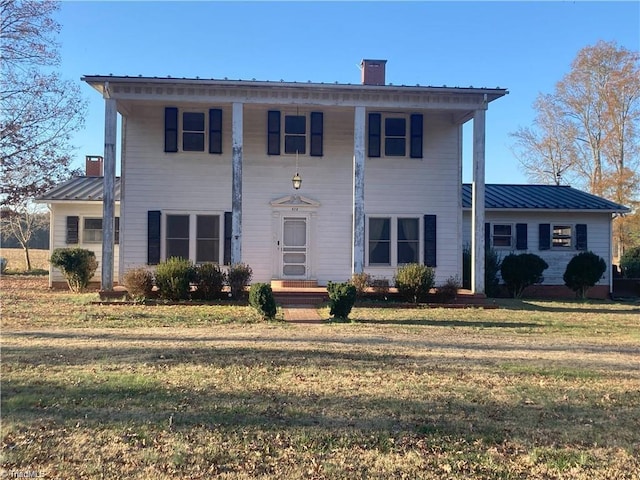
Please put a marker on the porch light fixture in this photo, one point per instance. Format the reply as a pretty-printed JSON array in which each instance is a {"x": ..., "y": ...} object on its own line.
[{"x": 297, "y": 179}]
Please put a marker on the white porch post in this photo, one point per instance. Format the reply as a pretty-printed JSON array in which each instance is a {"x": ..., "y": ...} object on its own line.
[
  {"x": 358, "y": 191},
  {"x": 236, "y": 188},
  {"x": 477, "y": 201},
  {"x": 108, "y": 200}
]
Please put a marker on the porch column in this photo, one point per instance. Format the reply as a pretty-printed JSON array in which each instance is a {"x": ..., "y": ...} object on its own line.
[
  {"x": 236, "y": 188},
  {"x": 477, "y": 201},
  {"x": 108, "y": 200},
  {"x": 358, "y": 191}
]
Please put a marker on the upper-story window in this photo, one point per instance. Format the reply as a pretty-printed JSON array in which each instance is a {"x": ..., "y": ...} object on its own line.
[
  {"x": 190, "y": 131},
  {"x": 302, "y": 133},
  {"x": 393, "y": 135},
  {"x": 502, "y": 236}
]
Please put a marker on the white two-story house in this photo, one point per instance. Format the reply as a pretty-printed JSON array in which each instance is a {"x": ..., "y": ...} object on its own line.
[{"x": 302, "y": 181}]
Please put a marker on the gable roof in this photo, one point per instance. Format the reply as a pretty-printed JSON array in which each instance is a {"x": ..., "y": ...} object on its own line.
[
  {"x": 79, "y": 189},
  {"x": 540, "y": 197}
]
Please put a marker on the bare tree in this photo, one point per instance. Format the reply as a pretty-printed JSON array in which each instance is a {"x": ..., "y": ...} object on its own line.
[
  {"x": 39, "y": 111},
  {"x": 589, "y": 128},
  {"x": 21, "y": 222}
]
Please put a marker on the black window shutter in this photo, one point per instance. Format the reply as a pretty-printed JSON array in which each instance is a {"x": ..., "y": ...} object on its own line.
[
  {"x": 487, "y": 235},
  {"x": 227, "y": 238},
  {"x": 170, "y": 129},
  {"x": 72, "y": 230},
  {"x": 273, "y": 132},
  {"x": 116, "y": 232},
  {"x": 317, "y": 129},
  {"x": 153, "y": 237},
  {"x": 416, "y": 136},
  {"x": 430, "y": 240},
  {"x": 215, "y": 130},
  {"x": 581, "y": 236},
  {"x": 521, "y": 236},
  {"x": 544, "y": 236},
  {"x": 375, "y": 134}
]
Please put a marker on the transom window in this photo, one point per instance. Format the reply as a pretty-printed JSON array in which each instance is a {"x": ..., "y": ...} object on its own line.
[
  {"x": 194, "y": 237},
  {"x": 561, "y": 236},
  {"x": 502, "y": 236}
]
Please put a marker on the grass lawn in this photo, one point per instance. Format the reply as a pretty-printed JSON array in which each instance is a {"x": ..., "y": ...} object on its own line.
[{"x": 531, "y": 390}]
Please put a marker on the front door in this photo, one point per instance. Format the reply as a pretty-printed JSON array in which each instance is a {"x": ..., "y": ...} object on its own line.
[{"x": 294, "y": 247}]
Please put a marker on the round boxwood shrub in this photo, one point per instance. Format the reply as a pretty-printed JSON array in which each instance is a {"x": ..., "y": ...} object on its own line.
[
  {"x": 342, "y": 297},
  {"x": 630, "y": 263},
  {"x": 261, "y": 298},
  {"x": 414, "y": 281},
  {"x": 520, "y": 271},
  {"x": 76, "y": 264},
  {"x": 583, "y": 272},
  {"x": 174, "y": 277},
  {"x": 209, "y": 280}
]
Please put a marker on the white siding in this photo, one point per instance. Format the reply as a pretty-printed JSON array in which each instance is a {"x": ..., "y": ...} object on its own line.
[
  {"x": 59, "y": 213},
  {"x": 199, "y": 181},
  {"x": 598, "y": 238}
]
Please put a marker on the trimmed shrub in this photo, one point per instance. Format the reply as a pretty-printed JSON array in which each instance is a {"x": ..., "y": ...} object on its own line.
[
  {"x": 239, "y": 275},
  {"x": 448, "y": 291},
  {"x": 138, "y": 282},
  {"x": 361, "y": 281},
  {"x": 76, "y": 264},
  {"x": 3, "y": 264},
  {"x": 342, "y": 297},
  {"x": 630, "y": 263},
  {"x": 520, "y": 271},
  {"x": 209, "y": 280},
  {"x": 174, "y": 277},
  {"x": 583, "y": 272},
  {"x": 261, "y": 298},
  {"x": 414, "y": 281},
  {"x": 492, "y": 263}
]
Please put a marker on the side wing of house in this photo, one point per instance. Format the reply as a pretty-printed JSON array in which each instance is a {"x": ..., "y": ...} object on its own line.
[
  {"x": 79, "y": 224},
  {"x": 555, "y": 236}
]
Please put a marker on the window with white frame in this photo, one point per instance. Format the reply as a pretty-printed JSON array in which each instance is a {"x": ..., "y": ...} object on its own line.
[
  {"x": 295, "y": 134},
  {"x": 395, "y": 136},
  {"x": 501, "y": 235},
  {"x": 561, "y": 237},
  {"x": 92, "y": 230},
  {"x": 393, "y": 240},
  {"x": 195, "y": 237},
  {"x": 193, "y": 131}
]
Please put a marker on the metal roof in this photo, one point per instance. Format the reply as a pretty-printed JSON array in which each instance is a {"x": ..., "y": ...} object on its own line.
[
  {"x": 540, "y": 197},
  {"x": 79, "y": 189},
  {"x": 497, "y": 196}
]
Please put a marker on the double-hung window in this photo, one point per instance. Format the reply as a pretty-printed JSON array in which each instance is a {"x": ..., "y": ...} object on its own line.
[
  {"x": 193, "y": 237},
  {"x": 189, "y": 131},
  {"x": 393, "y": 241},
  {"x": 295, "y": 134},
  {"x": 394, "y": 135},
  {"x": 561, "y": 237},
  {"x": 301, "y": 133},
  {"x": 92, "y": 230},
  {"x": 502, "y": 236}
]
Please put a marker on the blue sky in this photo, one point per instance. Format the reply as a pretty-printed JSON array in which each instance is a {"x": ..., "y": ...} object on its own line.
[{"x": 523, "y": 46}]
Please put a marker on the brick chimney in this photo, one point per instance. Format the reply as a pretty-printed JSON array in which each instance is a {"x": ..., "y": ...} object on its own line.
[
  {"x": 94, "y": 166},
  {"x": 373, "y": 72}
]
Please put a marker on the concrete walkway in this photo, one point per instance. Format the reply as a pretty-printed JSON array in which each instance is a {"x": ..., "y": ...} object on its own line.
[{"x": 302, "y": 314}]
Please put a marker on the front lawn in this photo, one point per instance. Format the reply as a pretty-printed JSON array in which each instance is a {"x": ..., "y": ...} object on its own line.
[{"x": 530, "y": 390}]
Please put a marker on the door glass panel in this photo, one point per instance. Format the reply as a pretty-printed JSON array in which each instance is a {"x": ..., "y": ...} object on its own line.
[
  {"x": 295, "y": 233},
  {"x": 294, "y": 270}
]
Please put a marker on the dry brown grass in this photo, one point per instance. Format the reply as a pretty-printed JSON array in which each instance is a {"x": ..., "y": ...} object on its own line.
[
  {"x": 15, "y": 256},
  {"x": 526, "y": 391}
]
